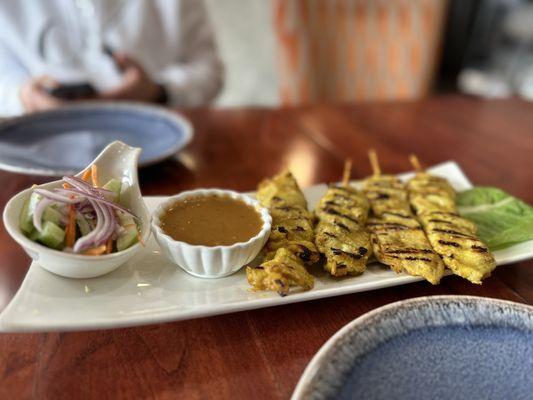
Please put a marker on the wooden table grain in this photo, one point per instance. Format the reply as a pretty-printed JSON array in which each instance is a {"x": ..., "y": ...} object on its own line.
[{"x": 260, "y": 354}]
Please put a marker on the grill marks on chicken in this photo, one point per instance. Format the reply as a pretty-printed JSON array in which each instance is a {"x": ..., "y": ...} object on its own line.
[
  {"x": 280, "y": 273},
  {"x": 398, "y": 239},
  {"x": 340, "y": 232},
  {"x": 453, "y": 237},
  {"x": 291, "y": 244}
]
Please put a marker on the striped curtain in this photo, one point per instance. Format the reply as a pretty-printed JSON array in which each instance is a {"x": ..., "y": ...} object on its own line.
[{"x": 350, "y": 50}]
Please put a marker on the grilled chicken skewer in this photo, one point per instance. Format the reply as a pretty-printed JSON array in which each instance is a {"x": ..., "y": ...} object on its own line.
[
  {"x": 291, "y": 243},
  {"x": 452, "y": 237},
  {"x": 397, "y": 237},
  {"x": 340, "y": 233}
]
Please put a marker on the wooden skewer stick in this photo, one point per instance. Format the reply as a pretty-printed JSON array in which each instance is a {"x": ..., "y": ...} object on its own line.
[
  {"x": 347, "y": 172},
  {"x": 415, "y": 163},
  {"x": 374, "y": 162}
]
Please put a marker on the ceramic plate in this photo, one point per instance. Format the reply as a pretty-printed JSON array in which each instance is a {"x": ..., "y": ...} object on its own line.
[
  {"x": 439, "y": 347},
  {"x": 149, "y": 289},
  {"x": 42, "y": 143}
]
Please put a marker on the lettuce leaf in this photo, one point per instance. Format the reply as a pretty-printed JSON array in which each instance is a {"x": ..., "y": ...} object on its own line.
[{"x": 502, "y": 220}]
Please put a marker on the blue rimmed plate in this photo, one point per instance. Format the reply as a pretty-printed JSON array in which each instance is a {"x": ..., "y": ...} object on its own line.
[
  {"x": 64, "y": 141},
  {"x": 439, "y": 347}
]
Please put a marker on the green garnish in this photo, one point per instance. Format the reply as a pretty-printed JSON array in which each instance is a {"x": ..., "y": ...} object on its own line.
[{"x": 502, "y": 220}]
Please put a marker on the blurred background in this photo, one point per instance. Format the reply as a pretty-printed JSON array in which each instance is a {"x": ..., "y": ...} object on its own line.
[
  {"x": 307, "y": 51},
  {"x": 232, "y": 53}
]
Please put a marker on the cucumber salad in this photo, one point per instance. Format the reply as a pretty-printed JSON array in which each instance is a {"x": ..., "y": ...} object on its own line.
[{"x": 80, "y": 217}]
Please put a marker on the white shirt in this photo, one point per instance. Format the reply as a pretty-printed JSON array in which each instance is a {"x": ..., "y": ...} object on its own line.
[{"x": 65, "y": 39}]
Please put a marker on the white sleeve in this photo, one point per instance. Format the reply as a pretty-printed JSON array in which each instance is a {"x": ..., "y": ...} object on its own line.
[
  {"x": 12, "y": 76},
  {"x": 197, "y": 77}
]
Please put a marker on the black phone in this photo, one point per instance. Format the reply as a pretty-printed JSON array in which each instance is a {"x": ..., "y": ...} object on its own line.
[{"x": 73, "y": 91}]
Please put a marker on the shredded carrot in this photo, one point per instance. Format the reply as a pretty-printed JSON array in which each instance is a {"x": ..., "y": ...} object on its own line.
[
  {"x": 109, "y": 246},
  {"x": 139, "y": 238},
  {"x": 66, "y": 185},
  {"x": 94, "y": 175},
  {"x": 86, "y": 174},
  {"x": 70, "y": 231},
  {"x": 95, "y": 251}
]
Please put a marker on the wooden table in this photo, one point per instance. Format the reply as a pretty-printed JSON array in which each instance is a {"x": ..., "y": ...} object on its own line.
[{"x": 260, "y": 354}]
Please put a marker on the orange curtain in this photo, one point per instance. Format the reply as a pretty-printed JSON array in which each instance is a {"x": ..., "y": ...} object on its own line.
[{"x": 349, "y": 50}]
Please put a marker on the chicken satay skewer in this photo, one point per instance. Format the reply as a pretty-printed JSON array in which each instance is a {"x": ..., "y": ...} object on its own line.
[
  {"x": 452, "y": 237},
  {"x": 438, "y": 193},
  {"x": 340, "y": 233},
  {"x": 397, "y": 237},
  {"x": 291, "y": 243},
  {"x": 430, "y": 193},
  {"x": 386, "y": 193}
]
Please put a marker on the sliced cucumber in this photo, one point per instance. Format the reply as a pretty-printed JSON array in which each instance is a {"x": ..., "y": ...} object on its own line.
[
  {"x": 83, "y": 224},
  {"x": 115, "y": 186},
  {"x": 26, "y": 215},
  {"x": 51, "y": 235},
  {"x": 52, "y": 215},
  {"x": 130, "y": 235},
  {"x": 33, "y": 236}
]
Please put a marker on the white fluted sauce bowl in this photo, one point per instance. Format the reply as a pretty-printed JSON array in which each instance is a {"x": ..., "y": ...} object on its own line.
[{"x": 210, "y": 261}]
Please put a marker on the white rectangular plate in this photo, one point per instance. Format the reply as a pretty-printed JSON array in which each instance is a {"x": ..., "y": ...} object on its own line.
[{"x": 149, "y": 289}]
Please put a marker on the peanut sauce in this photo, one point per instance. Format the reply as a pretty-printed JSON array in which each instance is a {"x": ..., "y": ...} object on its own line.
[{"x": 211, "y": 221}]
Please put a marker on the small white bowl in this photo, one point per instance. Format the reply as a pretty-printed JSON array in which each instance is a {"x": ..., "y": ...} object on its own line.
[
  {"x": 206, "y": 261},
  {"x": 117, "y": 160}
]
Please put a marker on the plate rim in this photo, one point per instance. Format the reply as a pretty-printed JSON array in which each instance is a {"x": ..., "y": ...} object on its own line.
[
  {"x": 153, "y": 109},
  {"x": 300, "y": 391}
]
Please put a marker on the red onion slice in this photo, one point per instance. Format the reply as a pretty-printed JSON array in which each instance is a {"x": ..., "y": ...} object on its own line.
[
  {"x": 101, "y": 200},
  {"x": 57, "y": 197},
  {"x": 88, "y": 240},
  {"x": 84, "y": 186},
  {"x": 38, "y": 213},
  {"x": 107, "y": 229}
]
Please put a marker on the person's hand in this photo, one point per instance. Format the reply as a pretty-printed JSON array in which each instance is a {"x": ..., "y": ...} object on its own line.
[
  {"x": 136, "y": 85},
  {"x": 34, "y": 96}
]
